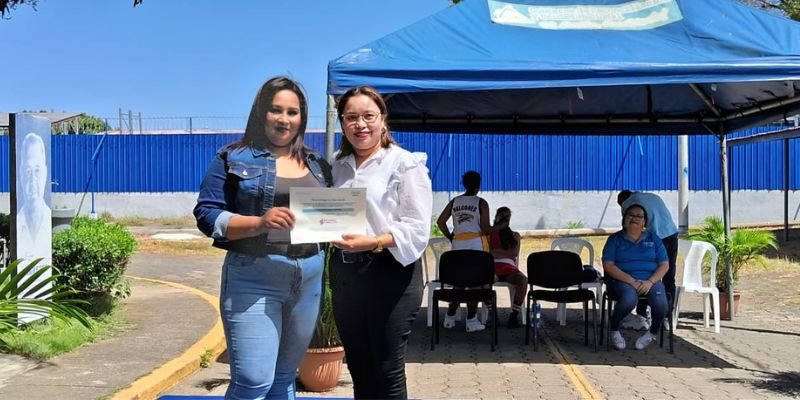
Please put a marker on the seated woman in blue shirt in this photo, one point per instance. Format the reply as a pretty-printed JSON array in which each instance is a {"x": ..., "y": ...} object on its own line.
[{"x": 635, "y": 261}]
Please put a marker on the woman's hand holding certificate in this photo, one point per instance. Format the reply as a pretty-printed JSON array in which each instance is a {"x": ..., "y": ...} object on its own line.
[{"x": 325, "y": 214}]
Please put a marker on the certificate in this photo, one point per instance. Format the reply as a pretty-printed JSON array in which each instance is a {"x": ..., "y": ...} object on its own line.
[{"x": 324, "y": 214}]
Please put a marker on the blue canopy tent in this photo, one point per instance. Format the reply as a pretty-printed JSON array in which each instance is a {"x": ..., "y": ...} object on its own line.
[{"x": 583, "y": 67}]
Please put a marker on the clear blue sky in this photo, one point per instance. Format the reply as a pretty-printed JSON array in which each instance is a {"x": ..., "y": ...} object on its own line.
[{"x": 169, "y": 58}]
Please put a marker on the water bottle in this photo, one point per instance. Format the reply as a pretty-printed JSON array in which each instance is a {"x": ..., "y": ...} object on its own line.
[{"x": 538, "y": 312}]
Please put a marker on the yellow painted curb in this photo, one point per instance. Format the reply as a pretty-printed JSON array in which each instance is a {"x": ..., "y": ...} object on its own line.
[
  {"x": 572, "y": 372},
  {"x": 167, "y": 375}
]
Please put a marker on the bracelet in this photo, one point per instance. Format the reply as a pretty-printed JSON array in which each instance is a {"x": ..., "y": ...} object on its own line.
[
  {"x": 651, "y": 282},
  {"x": 379, "y": 246}
]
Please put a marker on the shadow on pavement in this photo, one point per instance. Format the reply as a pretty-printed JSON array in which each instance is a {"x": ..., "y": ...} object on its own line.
[
  {"x": 458, "y": 346},
  {"x": 784, "y": 383}
]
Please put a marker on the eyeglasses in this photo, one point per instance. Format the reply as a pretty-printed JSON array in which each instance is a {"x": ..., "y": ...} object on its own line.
[
  {"x": 368, "y": 117},
  {"x": 635, "y": 216}
]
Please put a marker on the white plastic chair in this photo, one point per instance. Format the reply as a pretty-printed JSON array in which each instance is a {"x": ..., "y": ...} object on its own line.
[
  {"x": 436, "y": 246},
  {"x": 694, "y": 252},
  {"x": 577, "y": 246}
]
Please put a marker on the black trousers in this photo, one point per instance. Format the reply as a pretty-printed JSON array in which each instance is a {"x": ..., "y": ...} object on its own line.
[
  {"x": 671, "y": 243},
  {"x": 375, "y": 303}
]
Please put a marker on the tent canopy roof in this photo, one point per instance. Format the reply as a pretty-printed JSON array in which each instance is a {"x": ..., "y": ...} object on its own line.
[{"x": 583, "y": 66}]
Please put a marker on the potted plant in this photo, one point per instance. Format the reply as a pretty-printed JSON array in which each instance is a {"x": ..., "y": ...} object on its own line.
[
  {"x": 744, "y": 248},
  {"x": 322, "y": 365}
]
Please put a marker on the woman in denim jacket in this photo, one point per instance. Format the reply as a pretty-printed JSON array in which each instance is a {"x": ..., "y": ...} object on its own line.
[{"x": 270, "y": 291}]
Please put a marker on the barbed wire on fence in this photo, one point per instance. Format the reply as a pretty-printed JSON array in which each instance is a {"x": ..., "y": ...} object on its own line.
[{"x": 129, "y": 123}]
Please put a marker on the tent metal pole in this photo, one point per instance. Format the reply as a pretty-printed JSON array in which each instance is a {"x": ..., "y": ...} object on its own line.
[
  {"x": 726, "y": 216},
  {"x": 785, "y": 190},
  {"x": 706, "y": 99},
  {"x": 555, "y": 121},
  {"x": 330, "y": 128},
  {"x": 683, "y": 183},
  {"x": 769, "y": 105}
]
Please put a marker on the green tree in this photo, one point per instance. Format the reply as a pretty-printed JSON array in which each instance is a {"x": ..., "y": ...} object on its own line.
[
  {"x": 86, "y": 124},
  {"x": 790, "y": 8},
  {"x": 7, "y": 5}
]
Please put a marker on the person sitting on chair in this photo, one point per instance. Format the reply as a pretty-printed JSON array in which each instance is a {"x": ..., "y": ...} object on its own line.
[
  {"x": 470, "y": 226},
  {"x": 635, "y": 261},
  {"x": 505, "y": 245}
]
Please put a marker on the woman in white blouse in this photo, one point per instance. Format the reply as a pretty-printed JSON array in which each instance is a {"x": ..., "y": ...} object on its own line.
[{"x": 376, "y": 278}]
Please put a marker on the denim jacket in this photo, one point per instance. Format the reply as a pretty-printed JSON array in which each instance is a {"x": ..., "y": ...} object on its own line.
[{"x": 241, "y": 180}]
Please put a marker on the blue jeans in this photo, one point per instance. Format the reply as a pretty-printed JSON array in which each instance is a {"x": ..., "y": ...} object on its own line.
[
  {"x": 627, "y": 298},
  {"x": 269, "y": 308}
]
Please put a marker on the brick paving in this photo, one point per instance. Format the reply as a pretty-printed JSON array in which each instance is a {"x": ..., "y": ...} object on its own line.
[{"x": 756, "y": 356}]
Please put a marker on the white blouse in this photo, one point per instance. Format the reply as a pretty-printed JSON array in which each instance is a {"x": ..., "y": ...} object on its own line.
[{"x": 399, "y": 197}]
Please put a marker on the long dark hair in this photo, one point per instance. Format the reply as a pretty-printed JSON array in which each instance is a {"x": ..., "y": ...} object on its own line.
[
  {"x": 255, "y": 135},
  {"x": 506, "y": 235},
  {"x": 346, "y": 148}
]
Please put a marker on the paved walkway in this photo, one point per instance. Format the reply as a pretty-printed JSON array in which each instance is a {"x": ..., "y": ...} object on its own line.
[
  {"x": 755, "y": 357},
  {"x": 100, "y": 369},
  {"x": 747, "y": 360}
]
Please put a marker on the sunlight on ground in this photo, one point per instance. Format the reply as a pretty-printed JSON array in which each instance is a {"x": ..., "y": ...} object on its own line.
[
  {"x": 772, "y": 287},
  {"x": 195, "y": 247}
]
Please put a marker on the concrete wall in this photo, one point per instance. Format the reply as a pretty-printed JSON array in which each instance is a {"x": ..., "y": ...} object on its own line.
[{"x": 531, "y": 210}]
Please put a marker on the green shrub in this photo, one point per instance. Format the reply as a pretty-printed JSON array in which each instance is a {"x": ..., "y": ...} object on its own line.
[
  {"x": 435, "y": 231},
  {"x": 91, "y": 257},
  {"x": 325, "y": 333},
  {"x": 5, "y": 226},
  {"x": 575, "y": 225}
]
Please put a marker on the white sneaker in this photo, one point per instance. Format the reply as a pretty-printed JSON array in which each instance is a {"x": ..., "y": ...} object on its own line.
[
  {"x": 449, "y": 321},
  {"x": 635, "y": 322},
  {"x": 643, "y": 341},
  {"x": 617, "y": 340},
  {"x": 628, "y": 322},
  {"x": 644, "y": 323},
  {"x": 667, "y": 326},
  {"x": 473, "y": 325}
]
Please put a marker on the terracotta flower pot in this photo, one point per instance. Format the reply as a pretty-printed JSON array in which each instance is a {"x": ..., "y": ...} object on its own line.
[
  {"x": 321, "y": 368},
  {"x": 724, "y": 312}
]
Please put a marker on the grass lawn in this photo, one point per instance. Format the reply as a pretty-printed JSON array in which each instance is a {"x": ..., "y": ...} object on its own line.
[{"x": 45, "y": 339}]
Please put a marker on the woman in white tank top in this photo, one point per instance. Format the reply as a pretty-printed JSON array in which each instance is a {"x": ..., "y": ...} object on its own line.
[{"x": 471, "y": 228}]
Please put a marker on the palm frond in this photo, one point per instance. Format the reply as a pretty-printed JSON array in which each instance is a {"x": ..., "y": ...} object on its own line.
[
  {"x": 743, "y": 248},
  {"x": 32, "y": 291}
]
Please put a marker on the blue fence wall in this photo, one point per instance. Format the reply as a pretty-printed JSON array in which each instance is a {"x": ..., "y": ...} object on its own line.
[{"x": 177, "y": 163}]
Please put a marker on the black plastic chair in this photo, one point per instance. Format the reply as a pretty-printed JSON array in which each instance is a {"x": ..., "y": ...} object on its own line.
[
  {"x": 609, "y": 297},
  {"x": 553, "y": 270},
  {"x": 465, "y": 269}
]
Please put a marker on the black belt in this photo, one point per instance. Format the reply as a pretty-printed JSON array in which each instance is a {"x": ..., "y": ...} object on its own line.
[
  {"x": 304, "y": 250},
  {"x": 358, "y": 257}
]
